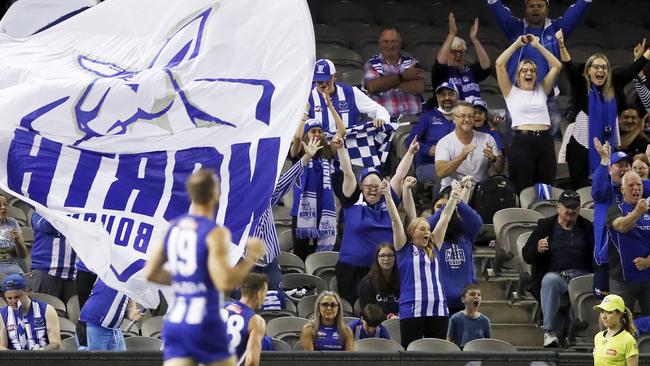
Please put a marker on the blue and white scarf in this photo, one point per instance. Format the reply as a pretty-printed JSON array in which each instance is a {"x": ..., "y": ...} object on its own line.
[
  {"x": 602, "y": 114},
  {"x": 317, "y": 210}
]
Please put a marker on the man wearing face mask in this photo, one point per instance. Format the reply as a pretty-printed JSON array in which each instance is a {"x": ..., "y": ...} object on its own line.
[{"x": 433, "y": 125}]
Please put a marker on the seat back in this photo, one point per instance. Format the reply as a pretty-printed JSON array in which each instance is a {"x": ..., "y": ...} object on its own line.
[
  {"x": 392, "y": 326},
  {"x": 72, "y": 307},
  {"x": 580, "y": 286},
  {"x": 587, "y": 213},
  {"x": 529, "y": 195},
  {"x": 287, "y": 329},
  {"x": 587, "y": 313},
  {"x": 644, "y": 344},
  {"x": 509, "y": 223},
  {"x": 295, "y": 280},
  {"x": 489, "y": 345},
  {"x": 152, "y": 326},
  {"x": 377, "y": 345},
  {"x": 69, "y": 344},
  {"x": 290, "y": 263},
  {"x": 280, "y": 345},
  {"x": 67, "y": 328},
  {"x": 521, "y": 242},
  {"x": 56, "y": 303},
  {"x": 139, "y": 343},
  {"x": 322, "y": 264},
  {"x": 432, "y": 345}
]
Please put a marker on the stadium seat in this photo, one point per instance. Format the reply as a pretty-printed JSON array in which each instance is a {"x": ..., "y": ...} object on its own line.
[
  {"x": 285, "y": 239},
  {"x": 296, "y": 280},
  {"x": 369, "y": 49},
  {"x": 344, "y": 11},
  {"x": 130, "y": 329},
  {"x": 509, "y": 223},
  {"x": 578, "y": 289},
  {"x": 644, "y": 344},
  {"x": 334, "y": 285},
  {"x": 425, "y": 53},
  {"x": 290, "y": 263},
  {"x": 69, "y": 344},
  {"x": 587, "y": 213},
  {"x": 142, "y": 344},
  {"x": 521, "y": 242},
  {"x": 152, "y": 326},
  {"x": 361, "y": 34},
  {"x": 68, "y": 328},
  {"x": 340, "y": 56},
  {"x": 392, "y": 326},
  {"x": 415, "y": 34},
  {"x": 586, "y": 313},
  {"x": 28, "y": 235},
  {"x": 306, "y": 307},
  {"x": 377, "y": 345},
  {"x": 389, "y": 13},
  {"x": 17, "y": 214},
  {"x": 322, "y": 264},
  {"x": 289, "y": 310},
  {"x": 587, "y": 37},
  {"x": 280, "y": 345},
  {"x": 350, "y": 319},
  {"x": 72, "y": 308},
  {"x": 490, "y": 86},
  {"x": 287, "y": 329},
  {"x": 528, "y": 197},
  {"x": 298, "y": 346},
  {"x": 585, "y": 196},
  {"x": 351, "y": 77},
  {"x": 58, "y": 305},
  {"x": 489, "y": 345},
  {"x": 432, "y": 345},
  {"x": 330, "y": 35}
]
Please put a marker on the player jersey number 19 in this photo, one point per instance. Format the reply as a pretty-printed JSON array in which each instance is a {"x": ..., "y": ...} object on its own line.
[{"x": 181, "y": 251}]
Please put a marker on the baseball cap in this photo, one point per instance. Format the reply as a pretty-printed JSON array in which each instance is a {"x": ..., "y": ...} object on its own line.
[
  {"x": 611, "y": 303},
  {"x": 480, "y": 103},
  {"x": 367, "y": 171},
  {"x": 13, "y": 282},
  {"x": 618, "y": 156},
  {"x": 311, "y": 123},
  {"x": 448, "y": 86},
  {"x": 569, "y": 199},
  {"x": 324, "y": 70}
]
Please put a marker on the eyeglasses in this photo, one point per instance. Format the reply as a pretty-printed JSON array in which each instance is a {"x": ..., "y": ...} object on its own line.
[
  {"x": 465, "y": 116},
  {"x": 332, "y": 305},
  {"x": 457, "y": 52},
  {"x": 371, "y": 186},
  {"x": 600, "y": 67},
  {"x": 385, "y": 256}
]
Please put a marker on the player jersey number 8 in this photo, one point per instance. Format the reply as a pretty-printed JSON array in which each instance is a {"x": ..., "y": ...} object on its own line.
[{"x": 234, "y": 326}]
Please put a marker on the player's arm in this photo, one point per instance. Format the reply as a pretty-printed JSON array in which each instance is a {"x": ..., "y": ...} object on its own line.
[
  {"x": 4, "y": 342},
  {"x": 153, "y": 269},
  {"x": 307, "y": 337},
  {"x": 53, "y": 329},
  {"x": 256, "y": 331},
  {"x": 222, "y": 274}
]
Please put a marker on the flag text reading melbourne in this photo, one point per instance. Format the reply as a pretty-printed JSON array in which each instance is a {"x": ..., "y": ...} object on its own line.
[{"x": 104, "y": 116}]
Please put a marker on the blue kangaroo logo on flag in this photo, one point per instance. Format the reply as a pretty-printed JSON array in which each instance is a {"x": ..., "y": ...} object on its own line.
[{"x": 115, "y": 81}]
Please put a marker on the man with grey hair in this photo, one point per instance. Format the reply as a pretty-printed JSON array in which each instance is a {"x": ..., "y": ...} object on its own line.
[
  {"x": 450, "y": 63},
  {"x": 465, "y": 151},
  {"x": 628, "y": 223}
]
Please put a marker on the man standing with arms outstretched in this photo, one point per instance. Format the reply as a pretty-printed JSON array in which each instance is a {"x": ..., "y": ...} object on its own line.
[{"x": 196, "y": 251}]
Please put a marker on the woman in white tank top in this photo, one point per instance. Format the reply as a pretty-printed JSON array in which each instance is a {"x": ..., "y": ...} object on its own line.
[{"x": 532, "y": 153}]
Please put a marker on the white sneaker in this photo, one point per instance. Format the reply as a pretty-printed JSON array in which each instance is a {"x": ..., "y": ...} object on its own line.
[{"x": 550, "y": 339}]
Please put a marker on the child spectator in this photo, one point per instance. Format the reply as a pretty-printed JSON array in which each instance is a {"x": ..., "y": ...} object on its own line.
[
  {"x": 369, "y": 326},
  {"x": 469, "y": 324}
]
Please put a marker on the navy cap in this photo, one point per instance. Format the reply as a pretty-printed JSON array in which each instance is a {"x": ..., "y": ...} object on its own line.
[
  {"x": 480, "y": 103},
  {"x": 311, "y": 123},
  {"x": 13, "y": 282},
  {"x": 618, "y": 156},
  {"x": 570, "y": 199},
  {"x": 448, "y": 86},
  {"x": 367, "y": 171},
  {"x": 324, "y": 70}
]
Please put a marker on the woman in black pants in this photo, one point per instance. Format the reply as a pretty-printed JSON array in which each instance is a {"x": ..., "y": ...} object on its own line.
[
  {"x": 598, "y": 96},
  {"x": 532, "y": 154}
]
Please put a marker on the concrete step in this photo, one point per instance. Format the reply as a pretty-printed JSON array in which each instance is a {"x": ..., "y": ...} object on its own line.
[
  {"x": 504, "y": 312},
  {"x": 495, "y": 289},
  {"x": 519, "y": 335}
]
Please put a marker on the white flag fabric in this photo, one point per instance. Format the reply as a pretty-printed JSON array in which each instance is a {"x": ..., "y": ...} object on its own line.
[{"x": 105, "y": 115}]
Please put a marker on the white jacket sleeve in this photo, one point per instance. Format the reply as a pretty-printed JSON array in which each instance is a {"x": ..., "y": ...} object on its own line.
[{"x": 369, "y": 106}]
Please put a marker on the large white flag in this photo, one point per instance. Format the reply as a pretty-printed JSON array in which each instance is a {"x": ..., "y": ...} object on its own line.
[{"x": 104, "y": 116}]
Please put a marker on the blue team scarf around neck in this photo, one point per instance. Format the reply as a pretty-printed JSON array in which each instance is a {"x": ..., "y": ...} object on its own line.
[
  {"x": 317, "y": 210},
  {"x": 602, "y": 113}
]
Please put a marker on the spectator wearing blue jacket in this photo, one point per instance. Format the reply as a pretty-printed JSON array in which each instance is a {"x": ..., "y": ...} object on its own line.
[
  {"x": 433, "y": 124},
  {"x": 540, "y": 25}
]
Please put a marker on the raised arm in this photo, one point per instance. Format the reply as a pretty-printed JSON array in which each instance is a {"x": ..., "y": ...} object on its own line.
[
  {"x": 153, "y": 269},
  {"x": 443, "y": 52},
  {"x": 509, "y": 25},
  {"x": 399, "y": 236},
  {"x": 466, "y": 188},
  {"x": 294, "y": 150},
  {"x": 501, "y": 65},
  {"x": 564, "y": 52},
  {"x": 572, "y": 16},
  {"x": 551, "y": 77},
  {"x": 349, "y": 180},
  {"x": 404, "y": 166},
  {"x": 19, "y": 243},
  {"x": 222, "y": 274},
  {"x": 626, "y": 223},
  {"x": 445, "y": 216},
  {"x": 481, "y": 53},
  {"x": 340, "y": 127},
  {"x": 407, "y": 198},
  {"x": 366, "y": 105}
]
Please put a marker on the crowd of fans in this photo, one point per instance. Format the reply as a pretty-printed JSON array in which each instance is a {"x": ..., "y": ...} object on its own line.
[{"x": 415, "y": 268}]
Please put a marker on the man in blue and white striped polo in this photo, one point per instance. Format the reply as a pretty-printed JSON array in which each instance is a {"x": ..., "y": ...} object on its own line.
[{"x": 53, "y": 261}]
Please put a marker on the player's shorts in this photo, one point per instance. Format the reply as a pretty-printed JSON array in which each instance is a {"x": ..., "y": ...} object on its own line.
[{"x": 205, "y": 343}]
